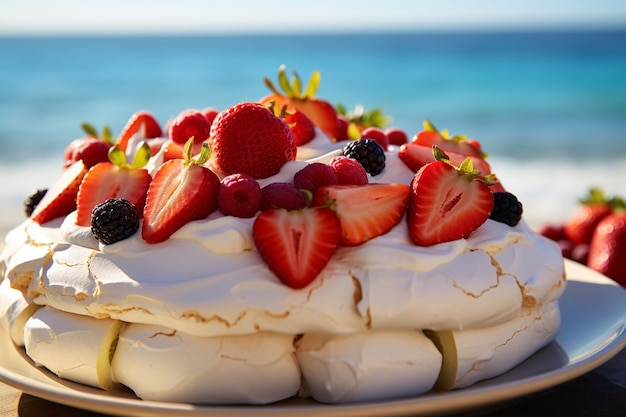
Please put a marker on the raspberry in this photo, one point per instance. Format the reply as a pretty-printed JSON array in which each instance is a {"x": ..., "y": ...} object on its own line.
[
  {"x": 348, "y": 171},
  {"x": 113, "y": 220},
  {"x": 239, "y": 196},
  {"x": 376, "y": 134},
  {"x": 282, "y": 195},
  {"x": 189, "y": 123},
  {"x": 506, "y": 208},
  {"x": 313, "y": 176},
  {"x": 32, "y": 199},
  {"x": 368, "y": 153},
  {"x": 396, "y": 136}
]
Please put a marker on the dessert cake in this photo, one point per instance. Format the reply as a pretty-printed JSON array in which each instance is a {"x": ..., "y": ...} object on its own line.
[{"x": 277, "y": 249}]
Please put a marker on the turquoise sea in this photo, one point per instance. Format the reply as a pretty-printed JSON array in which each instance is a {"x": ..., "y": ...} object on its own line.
[{"x": 550, "y": 107}]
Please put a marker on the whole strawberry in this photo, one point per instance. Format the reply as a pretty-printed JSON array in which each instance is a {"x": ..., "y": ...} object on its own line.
[
  {"x": 249, "y": 138},
  {"x": 580, "y": 227},
  {"x": 607, "y": 252}
]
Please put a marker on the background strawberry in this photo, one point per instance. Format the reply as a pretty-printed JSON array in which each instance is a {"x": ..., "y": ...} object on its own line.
[
  {"x": 296, "y": 245},
  {"x": 248, "y": 138},
  {"x": 581, "y": 225},
  {"x": 607, "y": 251}
]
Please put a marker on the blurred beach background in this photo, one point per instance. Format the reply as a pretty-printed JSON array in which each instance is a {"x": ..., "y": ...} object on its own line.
[{"x": 542, "y": 85}]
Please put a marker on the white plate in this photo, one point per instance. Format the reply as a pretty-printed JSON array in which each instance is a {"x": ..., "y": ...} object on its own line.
[{"x": 593, "y": 330}]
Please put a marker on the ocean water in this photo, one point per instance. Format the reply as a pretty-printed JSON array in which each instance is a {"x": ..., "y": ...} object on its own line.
[{"x": 549, "y": 107}]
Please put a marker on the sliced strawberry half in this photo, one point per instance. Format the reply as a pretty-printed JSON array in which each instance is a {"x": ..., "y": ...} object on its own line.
[
  {"x": 319, "y": 111},
  {"x": 181, "y": 191},
  {"x": 141, "y": 125},
  {"x": 416, "y": 156},
  {"x": 114, "y": 179},
  {"x": 458, "y": 144},
  {"x": 447, "y": 203},
  {"x": 60, "y": 199},
  {"x": 296, "y": 245},
  {"x": 364, "y": 211}
]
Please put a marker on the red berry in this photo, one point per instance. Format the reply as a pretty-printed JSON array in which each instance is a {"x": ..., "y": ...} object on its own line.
[
  {"x": 396, "y": 136},
  {"x": 282, "y": 195},
  {"x": 239, "y": 196},
  {"x": 553, "y": 232},
  {"x": 210, "y": 113},
  {"x": 348, "y": 171},
  {"x": 376, "y": 134},
  {"x": 189, "y": 123},
  {"x": 301, "y": 126},
  {"x": 447, "y": 204},
  {"x": 88, "y": 149},
  {"x": 313, "y": 176},
  {"x": 296, "y": 245},
  {"x": 249, "y": 138}
]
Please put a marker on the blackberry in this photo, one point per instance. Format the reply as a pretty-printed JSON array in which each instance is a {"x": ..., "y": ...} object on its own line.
[
  {"x": 32, "y": 199},
  {"x": 368, "y": 153},
  {"x": 114, "y": 220},
  {"x": 506, "y": 208}
]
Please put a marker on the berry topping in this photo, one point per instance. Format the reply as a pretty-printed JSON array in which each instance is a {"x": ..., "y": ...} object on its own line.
[
  {"x": 313, "y": 176},
  {"x": 182, "y": 190},
  {"x": 506, "y": 208},
  {"x": 459, "y": 144},
  {"x": 239, "y": 196},
  {"x": 210, "y": 113},
  {"x": 376, "y": 134},
  {"x": 348, "y": 171},
  {"x": 447, "y": 203},
  {"x": 32, "y": 200},
  {"x": 90, "y": 150},
  {"x": 60, "y": 200},
  {"x": 114, "y": 179},
  {"x": 364, "y": 211},
  {"x": 282, "y": 195},
  {"x": 320, "y": 112},
  {"x": 296, "y": 245},
  {"x": 368, "y": 153},
  {"x": 113, "y": 220},
  {"x": 141, "y": 125},
  {"x": 249, "y": 138},
  {"x": 189, "y": 124},
  {"x": 396, "y": 136},
  {"x": 301, "y": 126}
]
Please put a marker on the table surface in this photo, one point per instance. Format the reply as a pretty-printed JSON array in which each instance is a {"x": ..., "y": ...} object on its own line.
[{"x": 601, "y": 392}]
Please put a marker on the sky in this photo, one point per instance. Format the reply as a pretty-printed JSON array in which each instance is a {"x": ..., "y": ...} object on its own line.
[{"x": 76, "y": 17}]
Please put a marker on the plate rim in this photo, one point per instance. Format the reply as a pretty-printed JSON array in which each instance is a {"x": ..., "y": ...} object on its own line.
[{"x": 475, "y": 396}]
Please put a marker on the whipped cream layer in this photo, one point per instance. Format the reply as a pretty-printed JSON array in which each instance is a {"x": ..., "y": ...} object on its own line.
[
  {"x": 162, "y": 364},
  {"x": 209, "y": 280}
]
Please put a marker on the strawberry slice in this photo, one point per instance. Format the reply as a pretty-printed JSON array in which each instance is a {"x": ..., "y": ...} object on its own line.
[
  {"x": 364, "y": 211},
  {"x": 416, "y": 156},
  {"x": 319, "y": 111},
  {"x": 296, "y": 245},
  {"x": 182, "y": 190},
  {"x": 458, "y": 144},
  {"x": 60, "y": 200},
  {"x": 447, "y": 203},
  {"x": 141, "y": 125},
  {"x": 114, "y": 179}
]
